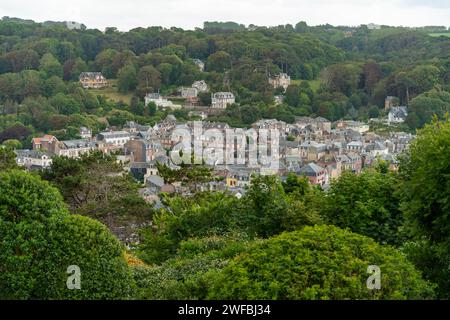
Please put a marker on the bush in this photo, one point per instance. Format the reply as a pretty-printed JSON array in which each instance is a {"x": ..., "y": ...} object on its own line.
[
  {"x": 322, "y": 262},
  {"x": 39, "y": 239}
]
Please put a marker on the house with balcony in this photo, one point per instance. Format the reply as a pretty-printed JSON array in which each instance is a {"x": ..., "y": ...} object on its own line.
[{"x": 93, "y": 80}]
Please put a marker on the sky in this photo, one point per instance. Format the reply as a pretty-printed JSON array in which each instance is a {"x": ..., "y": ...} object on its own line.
[{"x": 188, "y": 14}]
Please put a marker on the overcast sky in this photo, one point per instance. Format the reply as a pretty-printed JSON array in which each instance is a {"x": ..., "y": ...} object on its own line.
[{"x": 188, "y": 14}]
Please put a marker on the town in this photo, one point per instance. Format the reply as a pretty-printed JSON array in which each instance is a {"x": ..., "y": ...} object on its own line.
[{"x": 312, "y": 147}]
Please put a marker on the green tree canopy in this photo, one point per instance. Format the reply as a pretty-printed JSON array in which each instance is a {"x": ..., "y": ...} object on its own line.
[
  {"x": 426, "y": 203},
  {"x": 321, "y": 262},
  {"x": 39, "y": 240}
]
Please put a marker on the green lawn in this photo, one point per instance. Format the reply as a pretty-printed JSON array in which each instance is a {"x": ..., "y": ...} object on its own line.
[
  {"x": 111, "y": 92},
  {"x": 315, "y": 84}
]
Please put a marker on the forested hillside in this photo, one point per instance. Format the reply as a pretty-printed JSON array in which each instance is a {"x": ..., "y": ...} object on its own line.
[{"x": 338, "y": 72}]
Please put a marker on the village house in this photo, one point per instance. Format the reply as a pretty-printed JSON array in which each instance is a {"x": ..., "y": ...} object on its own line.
[
  {"x": 350, "y": 162},
  {"x": 278, "y": 99},
  {"x": 312, "y": 150},
  {"x": 75, "y": 148},
  {"x": 93, "y": 80},
  {"x": 221, "y": 100},
  {"x": 134, "y": 127},
  {"x": 200, "y": 64},
  {"x": 201, "y": 86},
  {"x": 140, "y": 150},
  {"x": 376, "y": 148},
  {"x": 397, "y": 115},
  {"x": 282, "y": 80},
  {"x": 33, "y": 159},
  {"x": 315, "y": 174},
  {"x": 159, "y": 101},
  {"x": 187, "y": 92},
  {"x": 85, "y": 133},
  {"x": 116, "y": 138},
  {"x": 355, "y": 146},
  {"x": 45, "y": 143},
  {"x": 357, "y": 126}
]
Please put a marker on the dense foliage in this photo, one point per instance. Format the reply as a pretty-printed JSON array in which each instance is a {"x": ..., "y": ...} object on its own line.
[
  {"x": 263, "y": 211},
  {"x": 368, "y": 204},
  {"x": 318, "y": 263},
  {"x": 426, "y": 190},
  {"x": 39, "y": 240}
]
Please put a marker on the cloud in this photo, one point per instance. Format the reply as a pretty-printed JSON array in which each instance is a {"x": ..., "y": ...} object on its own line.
[{"x": 190, "y": 14}]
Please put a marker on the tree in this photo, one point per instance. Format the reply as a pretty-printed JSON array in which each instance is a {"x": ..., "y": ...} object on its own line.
[
  {"x": 12, "y": 144},
  {"x": 199, "y": 215},
  {"x": 295, "y": 183},
  {"x": 426, "y": 201},
  {"x": 219, "y": 61},
  {"x": 321, "y": 262},
  {"x": 185, "y": 275},
  {"x": 301, "y": 27},
  {"x": 39, "y": 240},
  {"x": 127, "y": 78},
  {"x": 293, "y": 95},
  {"x": 368, "y": 204},
  {"x": 149, "y": 79},
  {"x": 7, "y": 158},
  {"x": 425, "y": 106},
  {"x": 96, "y": 185},
  {"x": 51, "y": 66},
  {"x": 17, "y": 131}
]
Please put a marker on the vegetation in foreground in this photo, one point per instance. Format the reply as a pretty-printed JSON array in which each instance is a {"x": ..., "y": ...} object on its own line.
[{"x": 279, "y": 241}]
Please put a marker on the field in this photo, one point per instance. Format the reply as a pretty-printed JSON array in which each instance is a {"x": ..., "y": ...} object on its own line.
[{"x": 111, "y": 92}]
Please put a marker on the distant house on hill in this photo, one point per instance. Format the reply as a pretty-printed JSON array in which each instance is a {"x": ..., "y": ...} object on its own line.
[
  {"x": 201, "y": 86},
  {"x": 159, "y": 101},
  {"x": 73, "y": 25},
  {"x": 282, "y": 80},
  {"x": 93, "y": 80},
  {"x": 117, "y": 138},
  {"x": 220, "y": 100},
  {"x": 33, "y": 159},
  {"x": 397, "y": 115},
  {"x": 200, "y": 64},
  {"x": 46, "y": 142},
  {"x": 188, "y": 93}
]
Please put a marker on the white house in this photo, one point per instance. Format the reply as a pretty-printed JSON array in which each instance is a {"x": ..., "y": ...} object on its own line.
[
  {"x": 75, "y": 148},
  {"x": 220, "y": 100},
  {"x": 117, "y": 138},
  {"x": 397, "y": 115},
  {"x": 160, "y": 102},
  {"x": 200, "y": 64},
  {"x": 85, "y": 133},
  {"x": 33, "y": 159},
  {"x": 187, "y": 92},
  {"x": 282, "y": 80}
]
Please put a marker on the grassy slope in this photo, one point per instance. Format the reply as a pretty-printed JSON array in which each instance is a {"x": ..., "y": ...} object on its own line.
[
  {"x": 313, "y": 83},
  {"x": 111, "y": 92}
]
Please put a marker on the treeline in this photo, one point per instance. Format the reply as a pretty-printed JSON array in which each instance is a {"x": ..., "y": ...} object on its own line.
[{"x": 337, "y": 72}]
